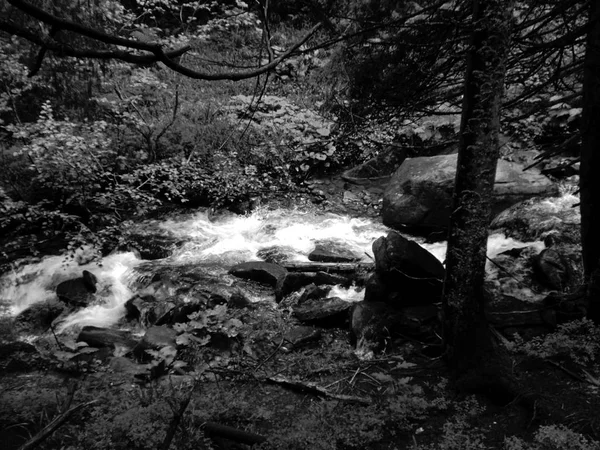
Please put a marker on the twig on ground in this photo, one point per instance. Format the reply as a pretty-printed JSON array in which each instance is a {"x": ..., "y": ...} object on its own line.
[
  {"x": 177, "y": 416},
  {"x": 312, "y": 388},
  {"x": 58, "y": 421},
  {"x": 262, "y": 363}
]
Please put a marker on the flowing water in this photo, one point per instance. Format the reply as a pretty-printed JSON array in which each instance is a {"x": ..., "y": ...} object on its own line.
[{"x": 213, "y": 245}]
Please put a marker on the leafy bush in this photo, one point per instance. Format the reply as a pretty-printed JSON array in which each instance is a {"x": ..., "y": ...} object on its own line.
[
  {"x": 578, "y": 340},
  {"x": 552, "y": 437}
]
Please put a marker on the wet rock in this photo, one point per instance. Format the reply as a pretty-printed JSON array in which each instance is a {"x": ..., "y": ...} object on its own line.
[
  {"x": 332, "y": 252},
  {"x": 376, "y": 169},
  {"x": 350, "y": 197},
  {"x": 90, "y": 280},
  {"x": 156, "y": 338},
  {"x": 78, "y": 291},
  {"x": 375, "y": 288},
  {"x": 312, "y": 292},
  {"x": 105, "y": 337},
  {"x": 300, "y": 336},
  {"x": 161, "y": 287},
  {"x": 294, "y": 281},
  {"x": 239, "y": 300},
  {"x": 152, "y": 246},
  {"x": 537, "y": 218},
  {"x": 91, "y": 354},
  {"x": 38, "y": 317},
  {"x": 275, "y": 254},
  {"x": 327, "y": 312},
  {"x": 395, "y": 254},
  {"x": 260, "y": 271},
  {"x": 420, "y": 192},
  {"x": 146, "y": 309},
  {"x": 405, "y": 273},
  {"x": 371, "y": 325}
]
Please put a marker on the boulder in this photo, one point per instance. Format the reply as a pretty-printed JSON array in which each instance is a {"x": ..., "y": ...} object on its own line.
[
  {"x": 105, "y": 337},
  {"x": 332, "y": 252},
  {"x": 370, "y": 325},
  {"x": 239, "y": 300},
  {"x": 406, "y": 274},
  {"x": 263, "y": 272},
  {"x": 395, "y": 254},
  {"x": 329, "y": 312},
  {"x": 537, "y": 218},
  {"x": 90, "y": 280},
  {"x": 275, "y": 254},
  {"x": 152, "y": 246},
  {"x": 419, "y": 194},
  {"x": 39, "y": 316},
  {"x": 78, "y": 291},
  {"x": 300, "y": 336},
  {"x": 294, "y": 281}
]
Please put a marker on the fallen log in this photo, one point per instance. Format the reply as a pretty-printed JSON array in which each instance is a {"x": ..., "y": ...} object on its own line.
[
  {"x": 546, "y": 317},
  {"x": 233, "y": 434},
  {"x": 328, "y": 267}
]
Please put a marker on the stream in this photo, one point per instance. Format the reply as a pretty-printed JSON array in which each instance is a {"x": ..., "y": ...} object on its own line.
[{"x": 211, "y": 247}]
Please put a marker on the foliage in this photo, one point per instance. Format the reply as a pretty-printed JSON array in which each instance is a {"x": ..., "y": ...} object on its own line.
[
  {"x": 552, "y": 437},
  {"x": 302, "y": 140},
  {"x": 578, "y": 340}
]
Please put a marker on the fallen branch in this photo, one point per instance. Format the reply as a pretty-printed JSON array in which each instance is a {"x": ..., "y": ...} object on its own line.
[
  {"x": 177, "y": 416},
  {"x": 328, "y": 267},
  {"x": 546, "y": 317},
  {"x": 233, "y": 434},
  {"x": 58, "y": 421},
  {"x": 312, "y": 388}
]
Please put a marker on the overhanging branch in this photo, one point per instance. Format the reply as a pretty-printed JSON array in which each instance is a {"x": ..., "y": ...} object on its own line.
[{"x": 154, "y": 51}]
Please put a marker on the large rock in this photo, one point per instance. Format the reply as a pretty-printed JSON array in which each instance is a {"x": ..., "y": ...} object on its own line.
[
  {"x": 294, "y": 281},
  {"x": 326, "y": 312},
  {"x": 332, "y": 252},
  {"x": 370, "y": 326},
  {"x": 420, "y": 192},
  {"x": 78, "y": 291},
  {"x": 260, "y": 271},
  {"x": 537, "y": 218},
  {"x": 105, "y": 337},
  {"x": 406, "y": 274}
]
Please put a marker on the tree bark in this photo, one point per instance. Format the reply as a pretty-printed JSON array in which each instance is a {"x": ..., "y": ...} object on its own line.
[
  {"x": 590, "y": 163},
  {"x": 470, "y": 351}
]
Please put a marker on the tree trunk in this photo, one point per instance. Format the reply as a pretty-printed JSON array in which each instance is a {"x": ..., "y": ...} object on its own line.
[
  {"x": 590, "y": 163},
  {"x": 470, "y": 351}
]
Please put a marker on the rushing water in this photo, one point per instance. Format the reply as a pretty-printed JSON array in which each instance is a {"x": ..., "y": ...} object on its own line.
[{"x": 215, "y": 245}]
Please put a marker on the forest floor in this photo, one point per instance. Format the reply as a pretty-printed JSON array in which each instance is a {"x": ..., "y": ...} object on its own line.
[{"x": 257, "y": 388}]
